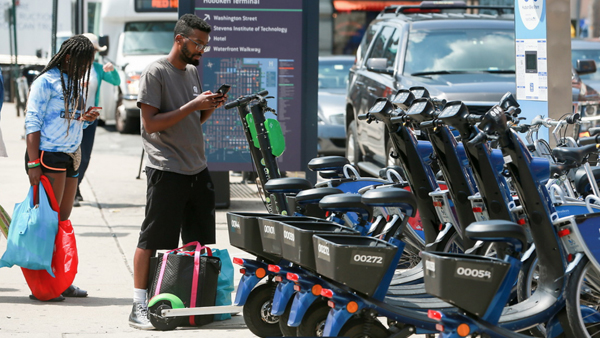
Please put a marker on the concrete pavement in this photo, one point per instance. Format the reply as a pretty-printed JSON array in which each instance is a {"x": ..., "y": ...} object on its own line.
[{"x": 106, "y": 226}]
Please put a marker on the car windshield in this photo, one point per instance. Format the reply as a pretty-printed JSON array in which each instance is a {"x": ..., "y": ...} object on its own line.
[
  {"x": 148, "y": 38},
  {"x": 586, "y": 54},
  {"x": 460, "y": 51},
  {"x": 333, "y": 74}
]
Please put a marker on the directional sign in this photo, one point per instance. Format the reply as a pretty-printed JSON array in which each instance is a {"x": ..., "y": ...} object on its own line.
[{"x": 255, "y": 45}]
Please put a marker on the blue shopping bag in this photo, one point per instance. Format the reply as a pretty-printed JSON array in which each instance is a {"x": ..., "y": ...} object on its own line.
[
  {"x": 32, "y": 233},
  {"x": 225, "y": 283}
]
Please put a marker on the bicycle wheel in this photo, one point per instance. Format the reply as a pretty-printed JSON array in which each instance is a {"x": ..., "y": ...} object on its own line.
[{"x": 583, "y": 300}]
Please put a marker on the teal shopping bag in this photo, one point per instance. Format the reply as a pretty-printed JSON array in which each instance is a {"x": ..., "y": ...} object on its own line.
[
  {"x": 32, "y": 233},
  {"x": 225, "y": 283}
]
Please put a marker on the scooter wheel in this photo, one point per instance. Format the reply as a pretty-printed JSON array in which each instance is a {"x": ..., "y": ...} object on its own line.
[
  {"x": 257, "y": 312},
  {"x": 288, "y": 331},
  {"x": 159, "y": 322},
  {"x": 359, "y": 328},
  {"x": 313, "y": 323}
]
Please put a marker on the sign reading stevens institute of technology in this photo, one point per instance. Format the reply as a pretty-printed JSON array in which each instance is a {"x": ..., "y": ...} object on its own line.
[{"x": 255, "y": 45}]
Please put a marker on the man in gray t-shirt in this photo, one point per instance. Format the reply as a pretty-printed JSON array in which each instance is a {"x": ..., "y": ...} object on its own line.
[{"x": 180, "y": 195}]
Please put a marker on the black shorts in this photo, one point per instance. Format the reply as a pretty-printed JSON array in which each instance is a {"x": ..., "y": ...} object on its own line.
[
  {"x": 55, "y": 162},
  {"x": 178, "y": 204}
]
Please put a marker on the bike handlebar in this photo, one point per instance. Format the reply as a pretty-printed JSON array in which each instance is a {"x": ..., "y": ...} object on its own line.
[
  {"x": 474, "y": 118},
  {"x": 245, "y": 99},
  {"x": 363, "y": 117},
  {"x": 589, "y": 140}
]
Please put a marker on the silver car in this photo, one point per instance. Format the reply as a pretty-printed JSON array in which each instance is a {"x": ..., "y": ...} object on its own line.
[{"x": 333, "y": 80}]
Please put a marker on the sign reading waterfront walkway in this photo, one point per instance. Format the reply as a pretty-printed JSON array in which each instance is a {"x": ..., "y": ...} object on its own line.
[{"x": 256, "y": 45}]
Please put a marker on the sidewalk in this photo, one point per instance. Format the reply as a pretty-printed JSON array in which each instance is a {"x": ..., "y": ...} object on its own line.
[{"x": 107, "y": 226}]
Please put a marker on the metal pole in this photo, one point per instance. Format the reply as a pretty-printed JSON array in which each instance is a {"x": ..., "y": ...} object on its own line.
[
  {"x": 16, "y": 63},
  {"x": 54, "y": 20},
  {"x": 577, "y": 18}
]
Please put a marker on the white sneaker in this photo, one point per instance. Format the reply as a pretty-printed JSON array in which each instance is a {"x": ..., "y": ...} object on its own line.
[{"x": 138, "y": 318}]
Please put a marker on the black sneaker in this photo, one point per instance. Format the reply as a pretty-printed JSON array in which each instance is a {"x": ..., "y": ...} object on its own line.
[{"x": 138, "y": 318}]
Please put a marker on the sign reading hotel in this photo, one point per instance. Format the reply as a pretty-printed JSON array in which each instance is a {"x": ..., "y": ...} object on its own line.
[{"x": 255, "y": 45}]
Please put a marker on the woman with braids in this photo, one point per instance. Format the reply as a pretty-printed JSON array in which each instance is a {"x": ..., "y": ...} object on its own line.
[{"x": 54, "y": 125}]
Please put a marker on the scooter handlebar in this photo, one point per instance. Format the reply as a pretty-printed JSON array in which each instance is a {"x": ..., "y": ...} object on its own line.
[{"x": 245, "y": 99}]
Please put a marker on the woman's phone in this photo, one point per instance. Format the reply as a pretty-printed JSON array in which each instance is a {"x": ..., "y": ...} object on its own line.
[{"x": 223, "y": 89}]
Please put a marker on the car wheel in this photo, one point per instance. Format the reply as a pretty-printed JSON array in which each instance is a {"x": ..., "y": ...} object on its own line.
[
  {"x": 352, "y": 151},
  {"x": 123, "y": 124}
]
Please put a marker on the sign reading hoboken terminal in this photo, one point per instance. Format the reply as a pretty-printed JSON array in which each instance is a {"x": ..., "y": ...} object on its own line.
[{"x": 255, "y": 45}]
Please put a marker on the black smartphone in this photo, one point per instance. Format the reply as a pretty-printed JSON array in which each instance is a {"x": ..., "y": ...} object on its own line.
[{"x": 223, "y": 89}]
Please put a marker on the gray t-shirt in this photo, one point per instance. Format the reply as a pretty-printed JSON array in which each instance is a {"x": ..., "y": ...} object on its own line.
[{"x": 180, "y": 148}]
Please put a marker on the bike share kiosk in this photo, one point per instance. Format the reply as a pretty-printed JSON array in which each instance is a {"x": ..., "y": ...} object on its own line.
[
  {"x": 255, "y": 46},
  {"x": 543, "y": 59}
]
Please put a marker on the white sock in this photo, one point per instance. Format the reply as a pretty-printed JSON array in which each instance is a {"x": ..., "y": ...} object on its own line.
[{"x": 139, "y": 296}]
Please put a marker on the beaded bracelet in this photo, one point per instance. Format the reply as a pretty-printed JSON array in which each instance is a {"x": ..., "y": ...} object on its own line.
[{"x": 33, "y": 164}]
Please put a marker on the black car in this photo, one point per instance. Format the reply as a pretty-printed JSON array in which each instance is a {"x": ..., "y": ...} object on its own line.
[
  {"x": 456, "y": 56},
  {"x": 458, "y": 53}
]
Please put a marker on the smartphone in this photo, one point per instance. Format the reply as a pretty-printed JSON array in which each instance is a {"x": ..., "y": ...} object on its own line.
[{"x": 223, "y": 89}]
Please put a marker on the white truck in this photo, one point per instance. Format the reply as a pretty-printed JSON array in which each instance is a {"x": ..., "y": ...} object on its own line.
[{"x": 139, "y": 33}]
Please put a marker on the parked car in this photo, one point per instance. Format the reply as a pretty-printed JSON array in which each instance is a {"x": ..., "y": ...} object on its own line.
[
  {"x": 333, "y": 82},
  {"x": 587, "y": 49},
  {"x": 456, "y": 56}
]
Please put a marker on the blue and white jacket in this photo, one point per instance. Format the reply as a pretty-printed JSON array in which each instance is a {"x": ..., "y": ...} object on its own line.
[{"x": 46, "y": 114}]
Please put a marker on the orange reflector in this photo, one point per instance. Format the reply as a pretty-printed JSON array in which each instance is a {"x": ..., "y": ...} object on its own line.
[
  {"x": 463, "y": 330},
  {"x": 477, "y": 209},
  {"x": 327, "y": 213},
  {"x": 352, "y": 307},
  {"x": 238, "y": 261},
  {"x": 564, "y": 232},
  {"x": 388, "y": 218},
  {"x": 569, "y": 258},
  {"x": 435, "y": 315},
  {"x": 521, "y": 221},
  {"x": 278, "y": 279},
  {"x": 326, "y": 293},
  {"x": 260, "y": 273},
  {"x": 439, "y": 327},
  {"x": 438, "y": 204},
  {"x": 274, "y": 268},
  {"x": 316, "y": 290},
  {"x": 292, "y": 276},
  {"x": 584, "y": 134},
  {"x": 243, "y": 271},
  {"x": 331, "y": 304},
  {"x": 440, "y": 227},
  {"x": 297, "y": 288}
]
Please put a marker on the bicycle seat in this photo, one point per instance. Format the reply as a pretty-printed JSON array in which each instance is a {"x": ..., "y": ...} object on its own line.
[
  {"x": 346, "y": 202},
  {"x": 573, "y": 154},
  {"x": 287, "y": 185},
  {"x": 391, "y": 197},
  {"x": 498, "y": 230},
  {"x": 327, "y": 163},
  {"x": 315, "y": 195}
]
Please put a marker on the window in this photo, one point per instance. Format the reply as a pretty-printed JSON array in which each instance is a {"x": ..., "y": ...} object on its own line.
[
  {"x": 366, "y": 41},
  {"x": 384, "y": 46},
  {"x": 156, "y": 5},
  {"x": 464, "y": 50},
  {"x": 148, "y": 38}
]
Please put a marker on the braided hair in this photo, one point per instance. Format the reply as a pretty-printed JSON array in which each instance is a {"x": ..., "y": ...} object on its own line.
[{"x": 81, "y": 51}]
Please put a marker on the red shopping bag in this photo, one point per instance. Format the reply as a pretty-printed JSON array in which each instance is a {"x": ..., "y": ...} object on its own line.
[{"x": 64, "y": 261}]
